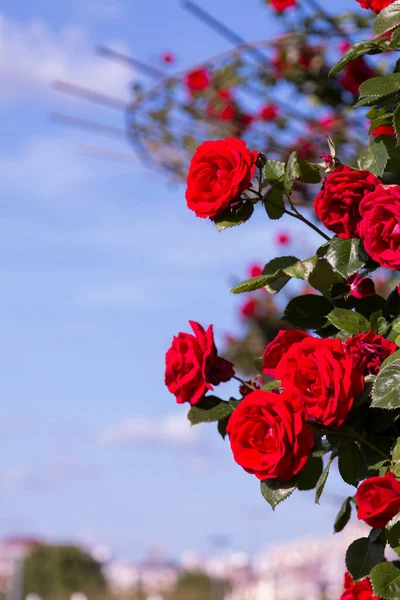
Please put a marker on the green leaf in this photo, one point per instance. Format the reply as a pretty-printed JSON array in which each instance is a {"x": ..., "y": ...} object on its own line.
[
  {"x": 222, "y": 425},
  {"x": 322, "y": 479},
  {"x": 274, "y": 170},
  {"x": 273, "y": 270},
  {"x": 375, "y": 158},
  {"x": 352, "y": 464},
  {"x": 396, "y": 121},
  {"x": 348, "y": 321},
  {"x": 385, "y": 579},
  {"x": 209, "y": 415},
  {"x": 307, "y": 311},
  {"x": 344, "y": 256},
  {"x": 355, "y": 51},
  {"x": 322, "y": 276},
  {"x": 386, "y": 388},
  {"x": 378, "y": 87},
  {"x": 271, "y": 385},
  {"x": 232, "y": 219},
  {"x": 310, "y": 474},
  {"x": 393, "y": 537},
  {"x": 308, "y": 172},
  {"x": 395, "y": 40},
  {"x": 361, "y": 556},
  {"x": 275, "y": 492},
  {"x": 387, "y": 19},
  {"x": 274, "y": 203},
  {"x": 291, "y": 172},
  {"x": 343, "y": 515}
]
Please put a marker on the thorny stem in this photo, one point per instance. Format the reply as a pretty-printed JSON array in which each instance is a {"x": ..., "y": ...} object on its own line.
[{"x": 245, "y": 383}]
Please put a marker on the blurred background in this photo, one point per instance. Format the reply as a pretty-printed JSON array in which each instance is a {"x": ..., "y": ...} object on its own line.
[{"x": 106, "y": 490}]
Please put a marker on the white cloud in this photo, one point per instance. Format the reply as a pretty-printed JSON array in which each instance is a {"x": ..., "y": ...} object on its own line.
[
  {"x": 32, "y": 56},
  {"x": 173, "y": 430}
]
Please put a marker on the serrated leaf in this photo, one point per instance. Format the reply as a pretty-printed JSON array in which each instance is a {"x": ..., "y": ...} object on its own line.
[
  {"x": 307, "y": 172},
  {"x": 275, "y": 491},
  {"x": 355, "y": 51},
  {"x": 307, "y": 311},
  {"x": 387, "y": 19},
  {"x": 393, "y": 537},
  {"x": 310, "y": 474},
  {"x": 272, "y": 270},
  {"x": 375, "y": 158},
  {"x": 274, "y": 170},
  {"x": 396, "y": 122},
  {"x": 232, "y": 219},
  {"x": 343, "y": 515},
  {"x": 352, "y": 466},
  {"x": 344, "y": 256},
  {"x": 198, "y": 415},
  {"x": 271, "y": 385},
  {"x": 361, "y": 556},
  {"x": 290, "y": 172},
  {"x": 378, "y": 87},
  {"x": 319, "y": 488},
  {"x": 274, "y": 204},
  {"x": 386, "y": 388},
  {"x": 322, "y": 276},
  {"x": 385, "y": 580},
  {"x": 395, "y": 39},
  {"x": 348, "y": 321}
]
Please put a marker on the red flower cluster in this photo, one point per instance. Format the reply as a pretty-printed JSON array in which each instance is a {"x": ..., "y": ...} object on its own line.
[
  {"x": 192, "y": 365},
  {"x": 368, "y": 351},
  {"x": 321, "y": 372},
  {"x": 219, "y": 173},
  {"x": 269, "y": 436},
  {"x": 197, "y": 80},
  {"x": 338, "y": 202},
  {"x": 354, "y": 74},
  {"x": 357, "y": 591},
  {"x": 375, "y": 5},
  {"x": 378, "y": 500}
]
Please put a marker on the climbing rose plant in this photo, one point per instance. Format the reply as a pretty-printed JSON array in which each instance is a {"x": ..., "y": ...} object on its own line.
[{"x": 328, "y": 384}]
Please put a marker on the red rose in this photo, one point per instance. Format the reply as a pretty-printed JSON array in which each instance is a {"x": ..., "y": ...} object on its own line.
[
  {"x": 282, "y": 239},
  {"x": 323, "y": 375},
  {"x": 269, "y": 112},
  {"x": 380, "y": 225},
  {"x": 354, "y": 74},
  {"x": 222, "y": 107},
  {"x": 378, "y": 500},
  {"x": 192, "y": 365},
  {"x": 248, "y": 308},
  {"x": 168, "y": 58},
  {"x": 268, "y": 435},
  {"x": 383, "y": 130},
  {"x": 375, "y": 5},
  {"x": 246, "y": 119},
  {"x": 219, "y": 173},
  {"x": 255, "y": 270},
  {"x": 277, "y": 348},
  {"x": 282, "y": 5},
  {"x": 198, "y": 80},
  {"x": 368, "y": 351},
  {"x": 360, "y": 287},
  {"x": 357, "y": 591},
  {"x": 337, "y": 204}
]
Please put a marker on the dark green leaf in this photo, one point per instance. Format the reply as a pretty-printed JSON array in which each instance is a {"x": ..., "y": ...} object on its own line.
[
  {"x": 222, "y": 425},
  {"x": 386, "y": 388},
  {"x": 361, "y": 556},
  {"x": 343, "y": 256},
  {"x": 396, "y": 121},
  {"x": 271, "y": 385},
  {"x": 272, "y": 271},
  {"x": 217, "y": 413},
  {"x": 395, "y": 40},
  {"x": 310, "y": 474},
  {"x": 343, "y": 515},
  {"x": 308, "y": 172},
  {"x": 387, "y": 19},
  {"x": 274, "y": 203},
  {"x": 352, "y": 464},
  {"x": 290, "y": 172},
  {"x": 232, "y": 219},
  {"x": 375, "y": 158},
  {"x": 275, "y": 491},
  {"x": 378, "y": 87},
  {"x": 274, "y": 170},
  {"x": 355, "y": 51},
  {"x": 385, "y": 578},
  {"x": 322, "y": 479},
  {"x": 348, "y": 321},
  {"x": 307, "y": 311},
  {"x": 393, "y": 537},
  {"x": 322, "y": 276}
]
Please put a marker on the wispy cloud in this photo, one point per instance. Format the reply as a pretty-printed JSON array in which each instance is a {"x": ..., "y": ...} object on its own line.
[
  {"x": 33, "y": 55},
  {"x": 172, "y": 430}
]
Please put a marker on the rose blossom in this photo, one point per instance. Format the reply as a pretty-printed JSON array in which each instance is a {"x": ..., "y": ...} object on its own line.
[
  {"x": 269, "y": 112},
  {"x": 354, "y": 74},
  {"x": 282, "y": 239},
  {"x": 220, "y": 171},
  {"x": 357, "y": 591},
  {"x": 192, "y": 365},
  {"x": 378, "y": 500},
  {"x": 368, "y": 351},
  {"x": 282, "y": 5},
  {"x": 322, "y": 373},
  {"x": 360, "y": 287},
  {"x": 383, "y": 130},
  {"x": 268, "y": 435},
  {"x": 380, "y": 225},
  {"x": 248, "y": 308},
  {"x": 197, "y": 80},
  {"x": 255, "y": 270},
  {"x": 276, "y": 349},
  {"x": 375, "y": 5},
  {"x": 337, "y": 204}
]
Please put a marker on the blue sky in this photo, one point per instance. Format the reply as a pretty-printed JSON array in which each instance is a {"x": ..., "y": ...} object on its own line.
[{"x": 101, "y": 263}]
